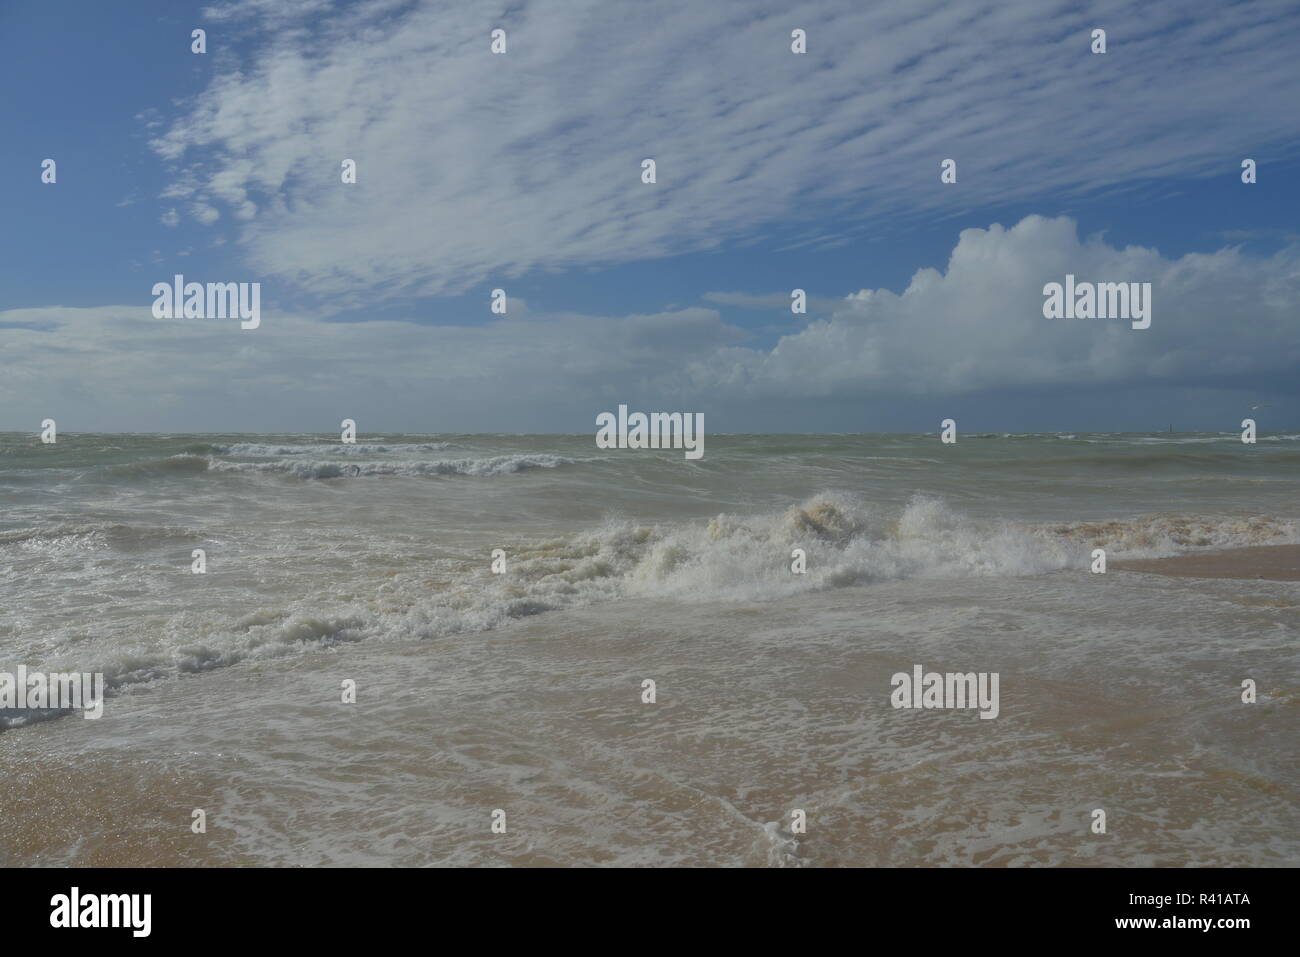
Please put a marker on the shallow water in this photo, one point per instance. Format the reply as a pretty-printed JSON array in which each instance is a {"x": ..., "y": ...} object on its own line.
[{"x": 521, "y": 691}]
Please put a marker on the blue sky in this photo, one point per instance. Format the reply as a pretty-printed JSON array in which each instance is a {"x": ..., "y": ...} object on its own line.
[{"x": 522, "y": 171}]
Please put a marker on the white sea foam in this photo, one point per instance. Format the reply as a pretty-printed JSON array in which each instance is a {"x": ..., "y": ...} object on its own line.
[
  {"x": 730, "y": 558},
  {"x": 1162, "y": 536}
]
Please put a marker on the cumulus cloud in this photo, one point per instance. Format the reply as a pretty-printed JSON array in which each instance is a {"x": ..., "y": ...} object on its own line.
[
  {"x": 473, "y": 166},
  {"x": 976, "y": 325}
]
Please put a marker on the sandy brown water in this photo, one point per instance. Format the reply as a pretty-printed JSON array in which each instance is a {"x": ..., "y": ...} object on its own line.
[
  {"x": 543, "y": 719},
  {"x": 1272, "y": 562}
]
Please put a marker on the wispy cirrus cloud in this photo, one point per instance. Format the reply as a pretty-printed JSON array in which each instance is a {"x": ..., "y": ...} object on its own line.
[{"x": 475, "y": 167}]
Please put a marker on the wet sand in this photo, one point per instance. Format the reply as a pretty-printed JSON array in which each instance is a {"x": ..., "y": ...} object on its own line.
[{"x": 1269, "y": 562}]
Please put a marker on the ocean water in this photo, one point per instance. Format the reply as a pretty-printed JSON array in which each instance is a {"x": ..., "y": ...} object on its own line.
[{"x": 522, "y": 691}]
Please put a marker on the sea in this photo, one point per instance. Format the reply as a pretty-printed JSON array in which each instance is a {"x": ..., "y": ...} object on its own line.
[{"x": 562, "y": 655}]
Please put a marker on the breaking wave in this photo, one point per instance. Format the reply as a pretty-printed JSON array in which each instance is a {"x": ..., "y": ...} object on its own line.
[{"x": 728, "y": 558}]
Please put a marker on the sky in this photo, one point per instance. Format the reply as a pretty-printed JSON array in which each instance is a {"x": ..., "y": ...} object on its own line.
[{"x": 774, "y": 171}]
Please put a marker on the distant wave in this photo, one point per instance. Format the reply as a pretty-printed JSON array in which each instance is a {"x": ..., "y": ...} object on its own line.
[
  {"x": 1021, "y": 435},
  {"x": 173, "y": 465},
  {"x": 1172, "y": 457},
  {"x": 190, "y": 463},
  {"x": 203, "y": 448},
  {"x": 255, "y": 449},
  {"x": 496, "y": 465}
]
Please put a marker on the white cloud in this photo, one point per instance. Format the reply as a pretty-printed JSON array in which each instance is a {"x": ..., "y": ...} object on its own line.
[
  {"x": 116, "y": 368},
  {"x": 476, "y": 167},
  {"x": 775, "y": 300},
  {"x": 978, "y": 324},
  {"x": 205, "y": 214},
  {"x": 974, "y": 327}
]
